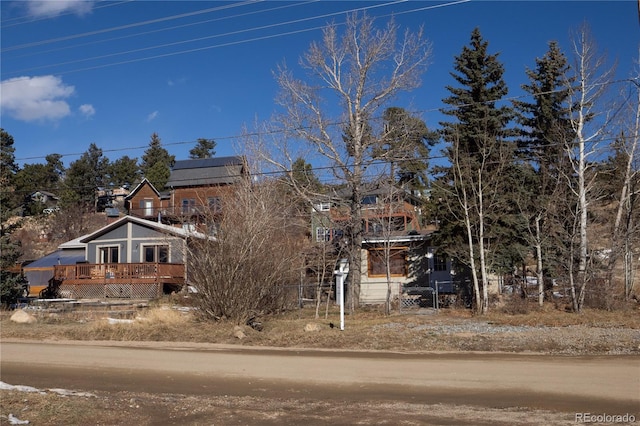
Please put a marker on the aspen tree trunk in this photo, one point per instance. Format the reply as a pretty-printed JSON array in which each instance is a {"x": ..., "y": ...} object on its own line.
[
  {"x": 539, "y": 270},
  {"x": 591, "y": 82},
  {"x": 481, "y": 249}
]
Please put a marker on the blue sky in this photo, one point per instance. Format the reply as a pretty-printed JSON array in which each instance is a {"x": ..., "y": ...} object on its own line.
[{"x": 112, "y": 73}]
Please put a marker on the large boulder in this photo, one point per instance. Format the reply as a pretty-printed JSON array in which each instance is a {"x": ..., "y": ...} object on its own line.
[{"x": 23, "y": 317}]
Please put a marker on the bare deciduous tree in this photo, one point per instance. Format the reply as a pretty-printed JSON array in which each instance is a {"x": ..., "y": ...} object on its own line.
[
  {"x": 351, "y": 78},
  {"x": 625, "y": 224},
  {"x": 589, "y": 124}
]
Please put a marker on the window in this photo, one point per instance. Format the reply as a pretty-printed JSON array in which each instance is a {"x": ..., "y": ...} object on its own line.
[
  {"x": 439, "y": 263},
  {"x": 397, "y": 262},
  {"x": 188, "y": 205},
  {"x": 369, "y": 199},
  {"x": 155, "y": 254},
  {"x": 323, "y": 234},
  {"x": 109, "y": 254},
  {"x": 189, "y": 227},
  {"x": 322, "y": 207},
  {"x": 146, "y": 206},
  {"x": 376, "y": 228},
  {"x": 215, "y": 204}
]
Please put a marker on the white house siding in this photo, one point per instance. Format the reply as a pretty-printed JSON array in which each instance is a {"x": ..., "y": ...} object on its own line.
[{"x": 373, "y": 290}]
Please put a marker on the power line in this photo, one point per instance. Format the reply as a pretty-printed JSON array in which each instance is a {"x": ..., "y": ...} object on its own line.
[
  {"x": 163, "y": 55},
  {"x": 288, "y": 5},
  {"x": 330, "y": 124},
  {"x": 122, "y": 27}
]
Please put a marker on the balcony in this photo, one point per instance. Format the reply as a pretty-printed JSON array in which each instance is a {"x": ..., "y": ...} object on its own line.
[{"x": 119, "y": 280}]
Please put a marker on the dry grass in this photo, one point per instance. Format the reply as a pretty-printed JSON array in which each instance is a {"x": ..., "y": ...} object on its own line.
[
  {"x": 531, "y": 314},
  {"x": 53, "y": 409},
  {"x": 118, "y": 408},
  {"x": 367, "y": 329}
]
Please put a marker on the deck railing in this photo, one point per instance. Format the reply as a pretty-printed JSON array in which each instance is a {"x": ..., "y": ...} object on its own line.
[{"x": 156, "y": 272}]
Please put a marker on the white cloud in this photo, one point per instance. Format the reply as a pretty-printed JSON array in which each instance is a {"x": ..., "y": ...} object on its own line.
[
  {"x": 49, "y": 8},
  {"x": 87, "y": 110},
  {"x": 152, "y": 116},
  {"x": 179, "y": 81},
  {"x": 35, "y": 98}
]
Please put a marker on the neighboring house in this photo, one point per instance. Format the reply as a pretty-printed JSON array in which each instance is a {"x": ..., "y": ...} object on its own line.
[
  {"x": 145, "y": 201},
  {"x": 40, "y": 272},
  {"x": 129, "y": 258},
  {"x": 197, "y": 188},
  {"x": 393, "y": 235},
  {"x": 114, "y": 198},
  {"x": 44, "y": 200}
]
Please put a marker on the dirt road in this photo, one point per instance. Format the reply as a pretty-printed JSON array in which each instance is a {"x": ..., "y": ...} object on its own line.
[{"x": 560, "y": 385}]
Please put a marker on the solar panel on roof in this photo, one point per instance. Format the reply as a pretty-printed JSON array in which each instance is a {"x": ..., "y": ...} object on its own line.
[{"x": 206, "y": 162}]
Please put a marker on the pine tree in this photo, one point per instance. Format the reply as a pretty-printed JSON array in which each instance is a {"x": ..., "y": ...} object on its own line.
[
  {"x": 205, "y": 148},
  {"x": 546, "y": 128},
  {"x": 405, "y": 146},
  {"x": 10, "y": 283},
  {"x": 123, "y": 171},
  {"x": 546, "y": 120},
  {"x": 476, "y": 187},
  {"x": 84, "y": 177},
  {"x": 39, "y": 177},
  {"x": 156, "y": 163},
  {"x": 8, "y": 170}
]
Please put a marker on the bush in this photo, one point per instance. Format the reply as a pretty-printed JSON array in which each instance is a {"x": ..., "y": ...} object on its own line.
[
  {"x": 11, "y": 288},
  {"x": 252, "y": 265}
]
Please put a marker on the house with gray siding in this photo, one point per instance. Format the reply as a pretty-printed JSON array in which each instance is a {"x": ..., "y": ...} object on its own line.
[{"x": 129, "y": 258}]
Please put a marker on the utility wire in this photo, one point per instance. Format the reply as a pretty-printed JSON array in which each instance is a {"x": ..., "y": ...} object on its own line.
[
  {"x": 127, "y": 26},
  {"x": 207, "y": 21},
  {"x": 335, "y": 123},
  {"x": 230, "y": 43}
]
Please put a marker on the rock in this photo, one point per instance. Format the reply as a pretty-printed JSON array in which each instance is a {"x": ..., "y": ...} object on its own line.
[
  {"x": 23, "y": 317},
  {"x": 312, "y": 326},
  {"x": 238, "y": 333},
  {"x": 112, "y": 321}
]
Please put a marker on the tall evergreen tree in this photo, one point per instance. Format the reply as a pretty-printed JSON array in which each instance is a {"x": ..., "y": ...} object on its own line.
[
  {"x": 84, "y": 177},
  {"x": 8, "y": 170},
  {"x": 405, "y": 146},
  {"x": 545, "y": 120},
  {"x": 205, "y": 148},
  {"x": 302, "y": 176},
  {"x": 47, "y": 177},
  {"x": 478, "y": 226},
  {"x": 546, "y": 128},
  {"x": 10, "y": 283},
  {"x": 123, "y": 171},
  {"x": 39, "y": 177},
  {"x": 156, "y": 163}
]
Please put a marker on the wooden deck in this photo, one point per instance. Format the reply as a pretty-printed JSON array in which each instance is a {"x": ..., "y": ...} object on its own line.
[
  {"x": 111, "y": 273},
  {"x": 119, "y": 280}
]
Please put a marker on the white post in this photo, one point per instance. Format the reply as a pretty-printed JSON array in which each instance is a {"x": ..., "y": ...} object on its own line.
[
  {"x": 341, "y": 275},
  {"x": 341, "y": 281}
]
